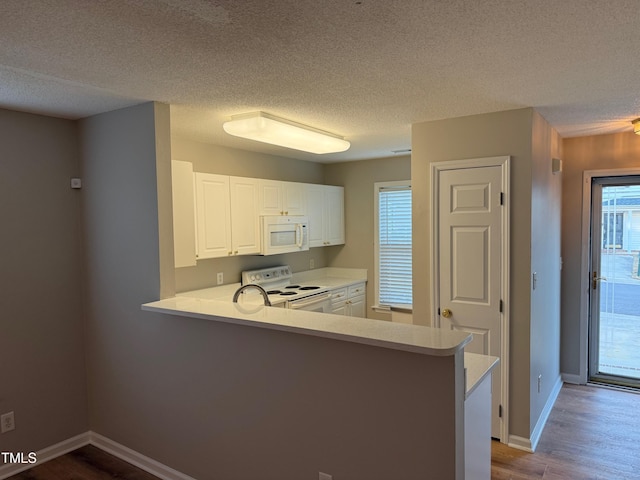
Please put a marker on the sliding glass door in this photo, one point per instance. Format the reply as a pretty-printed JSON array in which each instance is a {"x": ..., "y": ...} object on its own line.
[{"x": 614, "y": 337}]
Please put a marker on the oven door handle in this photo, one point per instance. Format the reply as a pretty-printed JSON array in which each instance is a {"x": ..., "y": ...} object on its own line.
[{"x": 321, "y": 297}]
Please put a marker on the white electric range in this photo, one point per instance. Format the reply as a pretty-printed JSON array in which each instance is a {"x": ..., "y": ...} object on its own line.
[{"x": 283, "y": 293}]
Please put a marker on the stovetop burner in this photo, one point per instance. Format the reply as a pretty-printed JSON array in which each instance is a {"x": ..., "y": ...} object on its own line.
[{"x": 280, "y": 286}]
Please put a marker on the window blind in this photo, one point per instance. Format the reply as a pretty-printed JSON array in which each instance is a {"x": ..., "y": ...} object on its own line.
[{"x": 394, "y": 246}]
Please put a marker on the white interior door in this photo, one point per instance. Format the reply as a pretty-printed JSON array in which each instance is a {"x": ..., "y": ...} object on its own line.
[{"x": 471, "y": 227}]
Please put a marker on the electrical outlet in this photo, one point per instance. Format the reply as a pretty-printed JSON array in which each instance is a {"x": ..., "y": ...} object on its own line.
[
  {"x": 220, "y": 278},
  {"x": 312, "y": 264},
  {"x": 539, "y": 383},
  {"x": 324, "y": 476},
  {"x": 7, "y": 422}
]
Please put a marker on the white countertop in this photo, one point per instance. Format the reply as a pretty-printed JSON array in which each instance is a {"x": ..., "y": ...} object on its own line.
[
  {"x": 477, "y": 367},
  {"x": 397, "y": 336}
]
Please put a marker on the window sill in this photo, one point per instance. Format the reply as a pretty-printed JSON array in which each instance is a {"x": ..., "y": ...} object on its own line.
[{"x": 392, "y": 308}]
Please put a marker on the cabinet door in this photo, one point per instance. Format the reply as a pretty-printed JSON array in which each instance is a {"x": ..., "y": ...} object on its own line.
[
  {"x": 339, "y": 310},
  {"x": 271, "y": 197},
  {"x": 357, "y": 300},
  {"x": 213, "y": 215},
  {"x": 334, "y": 215},
  {"x": 245, "y": 221},
  {"x": 294, "y": 198},
  {"x": 184, "y": 221},
  {"x": 357, "y": 307},
  {"x": 315, "y": 214}
]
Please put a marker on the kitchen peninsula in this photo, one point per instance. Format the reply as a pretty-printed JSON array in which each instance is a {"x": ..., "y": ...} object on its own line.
[{"x": 363, "y": 382}]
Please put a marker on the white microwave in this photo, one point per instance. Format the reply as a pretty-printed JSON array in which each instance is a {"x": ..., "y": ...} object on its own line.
[{"x": 284, "y": 234}]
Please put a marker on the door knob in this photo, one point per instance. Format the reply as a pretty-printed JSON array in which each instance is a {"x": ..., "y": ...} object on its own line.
[
  {"x": 446, "y": 313},
  {"x": 596, "y": 278}
]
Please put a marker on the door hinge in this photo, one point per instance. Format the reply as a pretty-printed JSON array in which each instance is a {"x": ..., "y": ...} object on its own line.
[
  {"x": 501, "y": 306},
  {"x": 500, "y": 411},
  {"x": 438, "y": 310},
  {"x": 501, "y": 198}
]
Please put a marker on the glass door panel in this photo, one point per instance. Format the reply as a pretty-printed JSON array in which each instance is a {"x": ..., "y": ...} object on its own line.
[{"x": 614, "y": 341}]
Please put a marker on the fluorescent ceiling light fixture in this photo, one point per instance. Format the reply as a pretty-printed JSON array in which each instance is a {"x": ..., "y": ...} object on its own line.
[
  {"x": 262, "y": 127},
  {"x": 636, "y": 126}
]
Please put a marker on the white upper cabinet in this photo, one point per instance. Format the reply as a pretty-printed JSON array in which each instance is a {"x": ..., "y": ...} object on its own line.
[
  {"x": 227, "y": 216},
  {"x": 315, "y": 214},
  {"x": 184, "y": 223},
  {"x": 334, "y": 215},
  {"x": 213, "y": 215},
  {"x": 282, "y": 198},
  {"x": 325, "y": 210},
  {"x": 219, "y": 215},
  {"x": 245, "y": 222}
]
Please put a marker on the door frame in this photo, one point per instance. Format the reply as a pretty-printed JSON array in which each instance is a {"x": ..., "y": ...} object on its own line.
[
  {"x": 585, "y": 264},
  {"x": 436, "y": 169}
]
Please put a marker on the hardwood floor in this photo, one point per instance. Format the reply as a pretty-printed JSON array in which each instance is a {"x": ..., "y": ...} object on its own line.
[{"x": 592, "y": 434}]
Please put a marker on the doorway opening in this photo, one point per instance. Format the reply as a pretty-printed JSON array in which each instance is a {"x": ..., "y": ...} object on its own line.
[{"x": 614, "y": 300}]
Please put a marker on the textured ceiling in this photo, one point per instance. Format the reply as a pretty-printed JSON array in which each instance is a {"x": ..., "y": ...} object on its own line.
[{"x": 365, "y": 69}]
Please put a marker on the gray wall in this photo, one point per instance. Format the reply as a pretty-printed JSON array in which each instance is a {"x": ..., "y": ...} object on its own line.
[
  {"x": 358, "y": 179},
  {"x": 41, "y": 331},
  {"x": 546, "y": 199},
  {"x": 524, "y": 136},
  {"x": 228, "y": 161},
  {"x": 601, "y": 152},
  {"x": 216, "y": 400}
]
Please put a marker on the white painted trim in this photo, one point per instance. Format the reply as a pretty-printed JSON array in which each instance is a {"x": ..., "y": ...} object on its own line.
[
  {"x": 46, "y": 454},
  {"x": 530, "y": 444},
  {"x": 544, "y": 415},
  {"x": 139, "y": 460},
  {"x": 103, "y": 443},
  {"x": 521, "y": 443},
  {"x": 434, "y": 173},
  {"x": 573, "y": 379},
  {"x": 587, "y": 178}
]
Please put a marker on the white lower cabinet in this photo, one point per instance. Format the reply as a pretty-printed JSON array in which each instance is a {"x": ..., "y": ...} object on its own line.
[{"x": 349, "y": 301}]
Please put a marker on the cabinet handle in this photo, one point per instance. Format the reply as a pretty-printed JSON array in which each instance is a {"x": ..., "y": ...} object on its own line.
[
  {"x": 236, "y": 252},
  {"x": 286, "y": 213},
  {"x": 281, "y": 212},
  {"x": 230, "y": 253}
]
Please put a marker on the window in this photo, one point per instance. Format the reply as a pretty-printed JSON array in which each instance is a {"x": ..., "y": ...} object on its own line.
[{"x": 393, "y": 244}]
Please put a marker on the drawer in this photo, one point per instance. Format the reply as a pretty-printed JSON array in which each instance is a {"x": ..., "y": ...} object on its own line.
[
  {"x": 356, "y": 290},
  {"x": 338, "y": 295}
]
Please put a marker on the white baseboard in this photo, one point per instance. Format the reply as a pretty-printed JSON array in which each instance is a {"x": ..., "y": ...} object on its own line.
[
  {"x": 141, "y": 461},
  {"x": 521, "y": 443},
  {"x": 544, "y": 415},
  {"x": 103, "y": 443},
  {"x": 530, "y": 444},
  {"x": 46, "y": 454},
  {"x": 574, "y": 379}
]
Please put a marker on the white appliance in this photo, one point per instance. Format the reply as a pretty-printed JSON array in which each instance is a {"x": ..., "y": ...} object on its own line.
[
  {"x": 284, "y": 234},
  {"x": 282, "y": 293}
]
